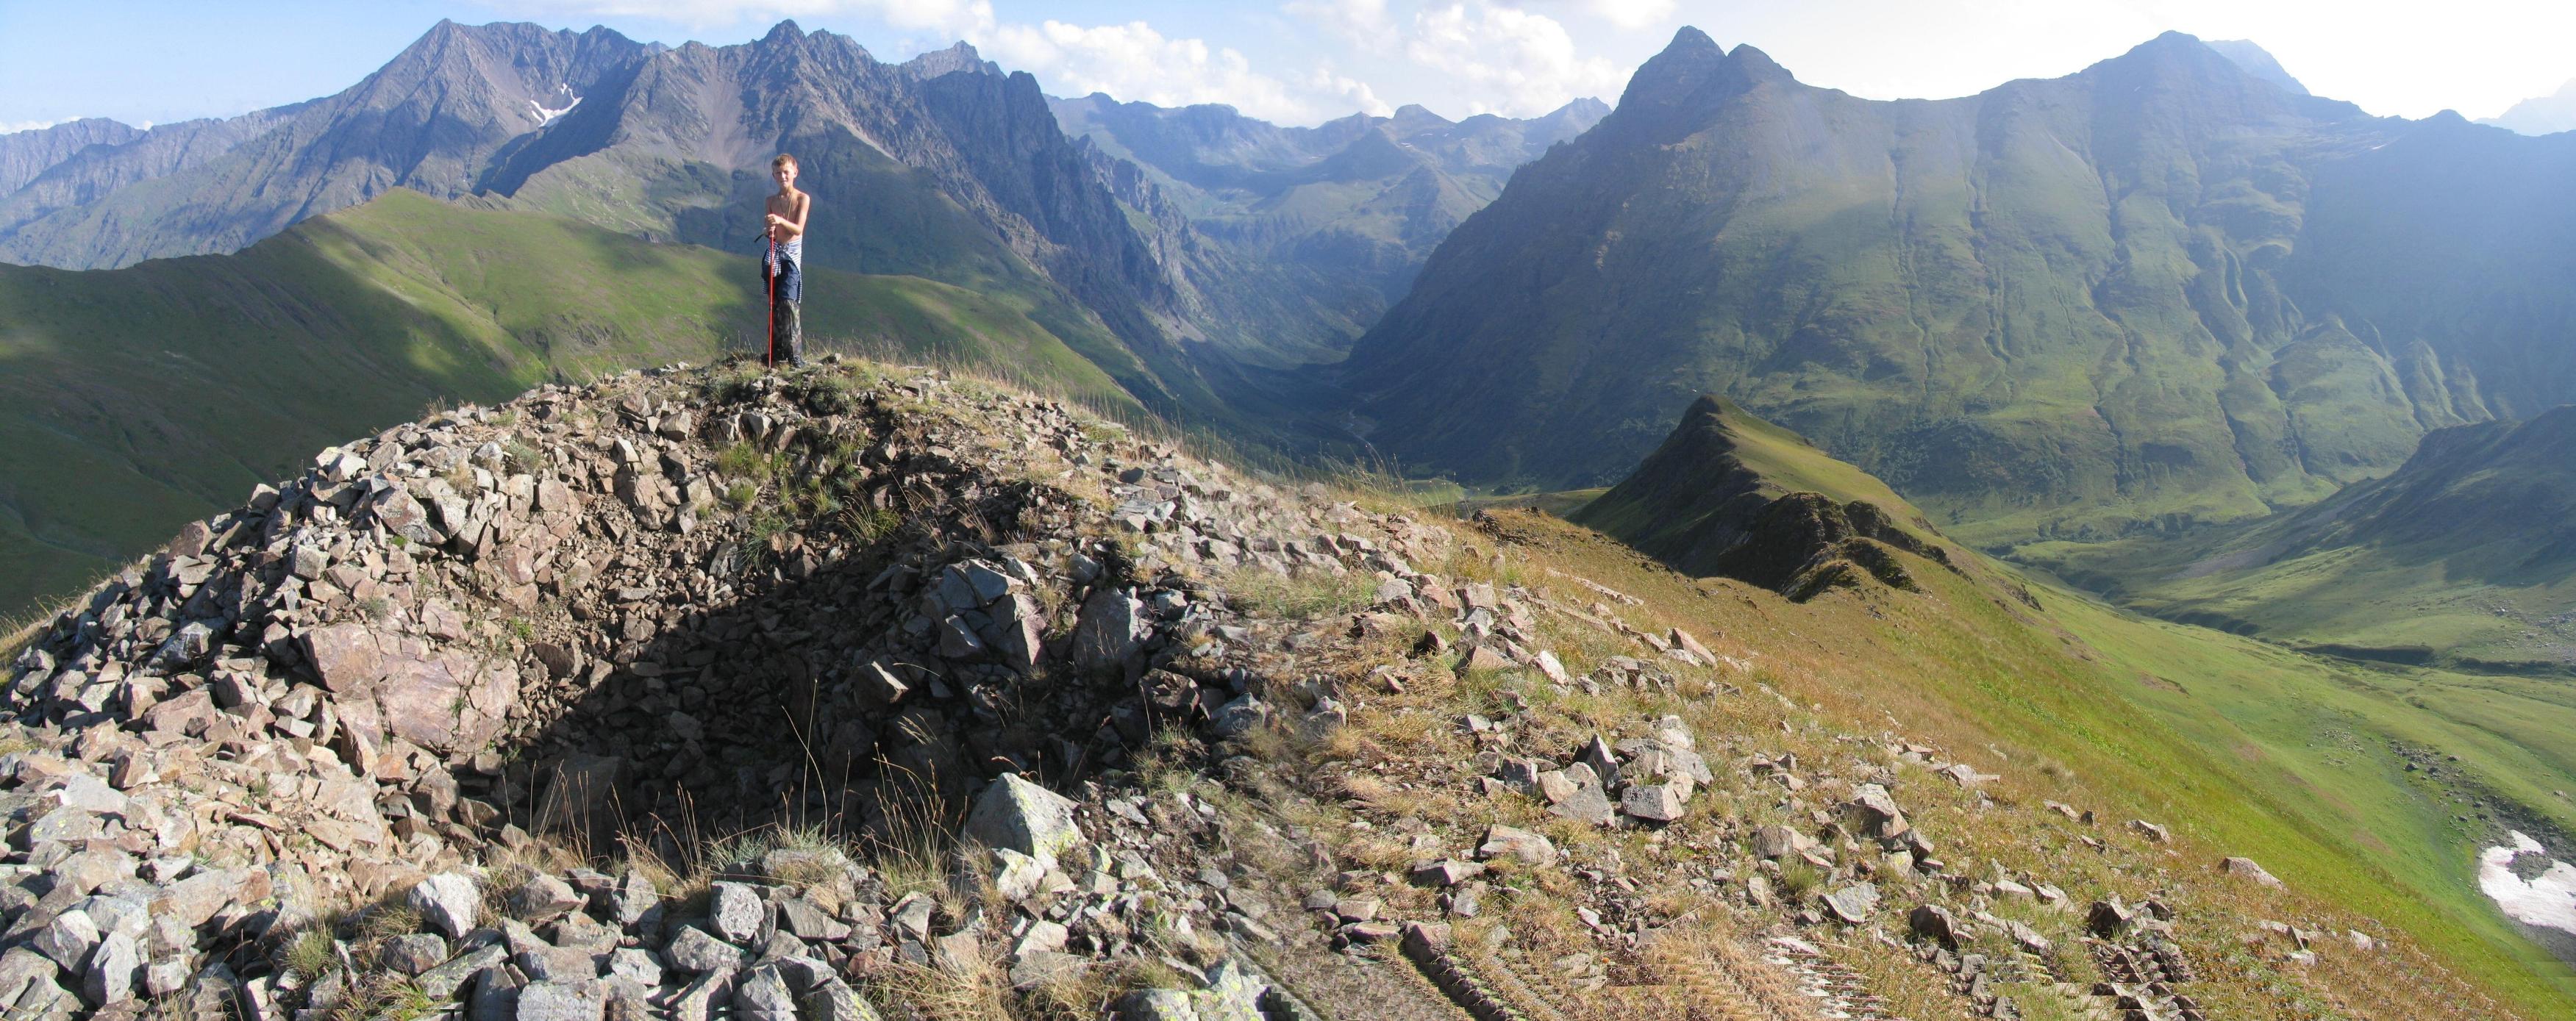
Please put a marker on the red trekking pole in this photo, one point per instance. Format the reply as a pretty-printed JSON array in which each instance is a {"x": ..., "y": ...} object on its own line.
[{"x": 769, "y": 270}]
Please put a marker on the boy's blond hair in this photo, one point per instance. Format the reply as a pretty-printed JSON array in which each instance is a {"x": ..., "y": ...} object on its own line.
[{"x": 783, "y": 160}]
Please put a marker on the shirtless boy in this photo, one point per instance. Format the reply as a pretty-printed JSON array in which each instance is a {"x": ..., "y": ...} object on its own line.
[{"x": 783, "y": 270}]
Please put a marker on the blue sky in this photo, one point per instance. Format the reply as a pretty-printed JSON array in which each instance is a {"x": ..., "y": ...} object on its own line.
[{"x": 1301, "y": 61}]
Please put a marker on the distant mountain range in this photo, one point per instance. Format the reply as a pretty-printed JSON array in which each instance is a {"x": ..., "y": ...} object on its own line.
[
  {"x": 2540, "y": 115},
  {"x": 1191, "y": 253},
  {"x": 2161, "y": 290},
  {"x": 1361, "y": 197}
]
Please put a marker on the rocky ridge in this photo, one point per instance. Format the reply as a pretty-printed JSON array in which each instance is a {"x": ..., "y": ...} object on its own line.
[{"x": 456, "y": 723}]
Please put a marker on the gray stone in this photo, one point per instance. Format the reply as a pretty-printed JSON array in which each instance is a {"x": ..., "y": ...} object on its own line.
[
  {"x": 414, "y": 953},
  {"x": 694, "y": 951},
  {"x": 562, "y": 1001},
  {"x": 834, "y": 1000},
  {"x": 633, "y": 899},
  {"x": 764, "y": 996},
  {"x": 911, "y": 915},
  {"x": 958, "y": 641},
  {"x": 1872, "y": 813},
  {"x": 543, "y": 898},
  {"x": 1022, "y": 816},
  {"x": 2247, "y": 868},
  {"x": 879, "y": 685},
  {"x": 635, "y": 965},
  {"x": 804, "y": 920},
  {"x": 442, "y": 982},
  {"x": 1157, "y": 1005},
  {"x": 1775, "y": 842},
  {"x": 67, "y": 940},
  {"x": 1240, "y": 716},
  {"x": 1529, "y": 848},
  {"x": 546, "y": 963},
  {"x": 1585, "y": 802},
  {"x": 707, "y": 998},
  {"x": 1854, "y": 904},
  {"x": 113, "y": 969},
  {"x": 1446, "y": 872},
  {"x": 344, "y": 657},
  {"x": 1653, "y": 802},
  {"x": 1111, "y": 627},
  {"x": 448, "y": 901},
  {"x": 736, "y": 912}
]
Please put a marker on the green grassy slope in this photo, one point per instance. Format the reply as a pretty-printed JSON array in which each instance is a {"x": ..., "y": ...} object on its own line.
[
  {"x": 2239, "y": 747},
  {"x": 133, "y": 400},
  {"x": 2253, "y": 748},
  {"x": 2461, "y": 557}
]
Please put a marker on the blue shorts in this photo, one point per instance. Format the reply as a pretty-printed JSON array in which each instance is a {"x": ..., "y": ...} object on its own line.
[{"x": 790, "y": 282}]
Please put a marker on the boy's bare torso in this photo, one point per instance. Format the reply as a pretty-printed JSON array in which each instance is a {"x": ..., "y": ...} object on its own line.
[{"x": 790, "y": 206}]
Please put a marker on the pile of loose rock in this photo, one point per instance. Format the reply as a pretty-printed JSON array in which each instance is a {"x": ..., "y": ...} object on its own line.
[{"x": 667, "y": 604}]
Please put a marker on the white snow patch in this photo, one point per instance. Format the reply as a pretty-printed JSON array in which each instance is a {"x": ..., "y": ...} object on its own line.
[
  {"x": 2547, "y": 901},
  {"x": 545, "y": 116}
]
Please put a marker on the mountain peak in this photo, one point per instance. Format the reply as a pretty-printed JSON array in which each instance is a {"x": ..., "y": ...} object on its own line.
[
  {"x": 959, "y": 57},
  {"x": 1412, "y": 117},
  {"x": 784, "y": 31},
  {"x": 1690, "y": 41},
  {"x": 1691, "y": 76},
  {"x": 2258, "y": 62}
]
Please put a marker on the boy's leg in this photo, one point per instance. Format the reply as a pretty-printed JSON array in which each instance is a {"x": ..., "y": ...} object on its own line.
[{"x": 789, "y": 310}]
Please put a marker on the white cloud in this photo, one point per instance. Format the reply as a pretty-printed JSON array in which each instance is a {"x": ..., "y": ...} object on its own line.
[
  {"x": 11, "y": 128},
  {"x": 1362, "y": 23},
  {"x": 1631, "y": 13},
  {"x": 1517, "y": 63},
  {"x": 1355, "y": 92},
  {"x": 1134, "y": 62}
]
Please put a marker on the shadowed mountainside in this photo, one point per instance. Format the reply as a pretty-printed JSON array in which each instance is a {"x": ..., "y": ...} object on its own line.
[{"x": 2158, "y": 290}]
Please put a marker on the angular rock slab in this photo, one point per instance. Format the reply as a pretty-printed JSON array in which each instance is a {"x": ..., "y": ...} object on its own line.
[{"x": 1021, "y": 816}]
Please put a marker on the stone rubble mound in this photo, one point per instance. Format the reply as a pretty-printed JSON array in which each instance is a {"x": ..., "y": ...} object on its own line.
[{"x": 663, "y": 606}]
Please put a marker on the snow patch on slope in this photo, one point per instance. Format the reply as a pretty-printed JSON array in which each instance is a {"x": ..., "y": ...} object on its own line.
[{"x": 2545, "y": 901}]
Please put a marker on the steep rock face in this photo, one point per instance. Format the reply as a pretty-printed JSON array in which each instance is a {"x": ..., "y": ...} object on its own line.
[
  {"x": 1707, "y": 502},
  {"x": 2156, "y": 290}
]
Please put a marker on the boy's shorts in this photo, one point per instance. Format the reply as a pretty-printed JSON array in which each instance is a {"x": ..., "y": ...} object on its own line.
[{"x": 790, "y": 281}]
